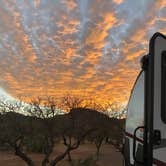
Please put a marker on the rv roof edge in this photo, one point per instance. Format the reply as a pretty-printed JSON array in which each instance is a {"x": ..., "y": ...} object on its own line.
[{"x": 157, "y": 34}]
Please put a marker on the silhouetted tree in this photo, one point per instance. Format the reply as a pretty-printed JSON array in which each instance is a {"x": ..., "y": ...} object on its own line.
[
  {"x": 42, "y": 122},
  {"x": 15, "y": 129},
  {"x": 69, "y": 102},
  {"x": 76, "y": 132}
]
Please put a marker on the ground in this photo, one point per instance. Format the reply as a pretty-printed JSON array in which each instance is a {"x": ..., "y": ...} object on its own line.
[{"x": 108, "y": 156}]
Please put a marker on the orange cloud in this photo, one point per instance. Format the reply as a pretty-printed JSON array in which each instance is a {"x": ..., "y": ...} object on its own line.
[
  {"x": 71, "y": 4},
  {"x": 118, "y": 1},
  {"x": 137, "y": 54},
  {"x": 36, "y": 3},
  {"x": 75, "y": 47}
]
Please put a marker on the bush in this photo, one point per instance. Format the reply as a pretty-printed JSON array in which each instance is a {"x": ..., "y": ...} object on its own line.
[{"x": 34, "y": 145}]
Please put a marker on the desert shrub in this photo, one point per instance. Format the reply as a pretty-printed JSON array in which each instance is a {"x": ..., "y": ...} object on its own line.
[
  {"x": 5, "y": 147},
  {"x": 34, "y": 145}
]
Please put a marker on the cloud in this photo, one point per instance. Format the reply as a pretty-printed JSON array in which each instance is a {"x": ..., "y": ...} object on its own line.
[
  {"x": 71, "y": 4},
  {"x": 118, "y": 1},
  {"x": 78, "y": 47},
  {"x": 36, "y": 3}
]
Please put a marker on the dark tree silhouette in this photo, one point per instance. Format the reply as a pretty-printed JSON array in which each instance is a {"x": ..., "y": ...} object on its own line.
[{"x": 41, "y": 122}]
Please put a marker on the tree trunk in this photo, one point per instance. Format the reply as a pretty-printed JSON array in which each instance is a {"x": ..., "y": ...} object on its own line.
[
  {"x": 106, "y": 140},
  {"x": 48, "y": 150},
  {"x": 98, "y": 144},
  {"x": 67, "y": 152},
  {"x": 59, "y": 158},
  {"x": 23, "y": 156},
  {"x": 69, "y": 157},
  {"x": 97, "y": 152},
  {"x": 45, "y": 161}
]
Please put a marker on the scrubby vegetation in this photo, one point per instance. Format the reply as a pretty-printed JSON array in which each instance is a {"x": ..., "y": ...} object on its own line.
[{"x": 42, "y": 128}]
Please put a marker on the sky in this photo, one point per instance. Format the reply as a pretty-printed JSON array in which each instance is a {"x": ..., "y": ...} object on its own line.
[{"x": 79, "y": 47}]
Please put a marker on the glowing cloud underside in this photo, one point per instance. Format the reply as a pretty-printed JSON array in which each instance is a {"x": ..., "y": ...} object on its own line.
[{"x": 87, "y": 47}]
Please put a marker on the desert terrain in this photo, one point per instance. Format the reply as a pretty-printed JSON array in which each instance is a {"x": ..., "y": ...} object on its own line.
[{"x": 109, "y": 156}]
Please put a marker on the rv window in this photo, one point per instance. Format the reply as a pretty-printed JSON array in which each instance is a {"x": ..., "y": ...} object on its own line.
[
  {"x": 163, "y": 87},
  {"x": 135, "y": 110}
]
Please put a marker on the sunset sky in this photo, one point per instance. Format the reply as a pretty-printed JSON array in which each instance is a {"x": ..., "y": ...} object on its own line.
[{"x": 81, "y": 47}]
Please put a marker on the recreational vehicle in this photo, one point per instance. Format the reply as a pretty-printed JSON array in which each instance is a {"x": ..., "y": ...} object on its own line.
[{"x": 145, "y": 131}]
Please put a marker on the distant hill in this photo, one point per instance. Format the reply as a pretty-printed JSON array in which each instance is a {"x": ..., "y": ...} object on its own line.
[
  {"x": 79, "y": 118},
  {"x": 81, "y": 115}
]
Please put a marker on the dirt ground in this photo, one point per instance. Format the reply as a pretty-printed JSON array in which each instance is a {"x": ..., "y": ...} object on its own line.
[{"x": 108, "y": 156}]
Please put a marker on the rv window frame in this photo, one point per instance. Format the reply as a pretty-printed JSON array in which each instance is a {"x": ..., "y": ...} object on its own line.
[{"x": 163, "y": 86}]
